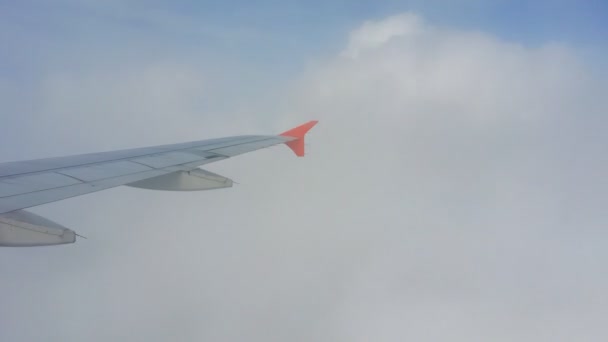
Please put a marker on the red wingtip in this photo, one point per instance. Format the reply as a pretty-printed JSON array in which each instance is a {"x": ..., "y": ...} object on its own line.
[{"x": 297, "y": 146}]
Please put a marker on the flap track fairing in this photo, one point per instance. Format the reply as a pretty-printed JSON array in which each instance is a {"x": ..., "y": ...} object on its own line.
[{"x": 194, "y": 180}]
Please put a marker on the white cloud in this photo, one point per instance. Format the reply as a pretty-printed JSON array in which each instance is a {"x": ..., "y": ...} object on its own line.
[
  {"x": 374, "y": 34},
  {"x": 461, "y": 157},
  {"x": 453, "y": 190}
]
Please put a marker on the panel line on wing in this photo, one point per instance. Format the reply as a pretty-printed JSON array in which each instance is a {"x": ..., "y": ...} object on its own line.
[
  {"x": 74, "y": 178},
  {"x": 10, "y": 186}
]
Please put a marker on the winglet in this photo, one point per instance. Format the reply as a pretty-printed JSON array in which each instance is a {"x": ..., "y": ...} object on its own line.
[{"x": 297, "y": 145}]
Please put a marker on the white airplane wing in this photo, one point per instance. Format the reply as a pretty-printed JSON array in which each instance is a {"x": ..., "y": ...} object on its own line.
[{"x": 26, "y": 184}]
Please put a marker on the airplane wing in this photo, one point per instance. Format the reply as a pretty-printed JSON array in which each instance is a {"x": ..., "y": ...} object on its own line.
[{"x": 174, "y": 167}]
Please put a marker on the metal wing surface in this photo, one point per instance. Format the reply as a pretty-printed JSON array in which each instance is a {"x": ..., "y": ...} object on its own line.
[{"x": 26, "y": 184}]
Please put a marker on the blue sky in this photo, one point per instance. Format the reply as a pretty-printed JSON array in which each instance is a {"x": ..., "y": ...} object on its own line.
[
  {"x": 524, "y": 20},
  {"x": 264, "y": 31},
  {"x": 272, "y": 40},
  {"x": 254, "y": 48}
]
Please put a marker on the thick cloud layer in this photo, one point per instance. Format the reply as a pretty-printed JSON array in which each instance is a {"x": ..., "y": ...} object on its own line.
[{"x": 454, "y": 189}]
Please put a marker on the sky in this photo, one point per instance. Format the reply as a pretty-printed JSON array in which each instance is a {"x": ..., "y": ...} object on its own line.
[{"x": 454, "y": 189}]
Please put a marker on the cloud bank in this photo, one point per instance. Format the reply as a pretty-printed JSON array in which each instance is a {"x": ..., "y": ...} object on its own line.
[{"x": 453, "y": 190}]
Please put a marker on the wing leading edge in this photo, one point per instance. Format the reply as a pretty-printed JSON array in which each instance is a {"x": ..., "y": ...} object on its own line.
[{"x": 168, "y": 167}]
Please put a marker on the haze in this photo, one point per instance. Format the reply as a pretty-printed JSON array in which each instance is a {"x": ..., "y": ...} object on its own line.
[{"x": 455, "y": 188}]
